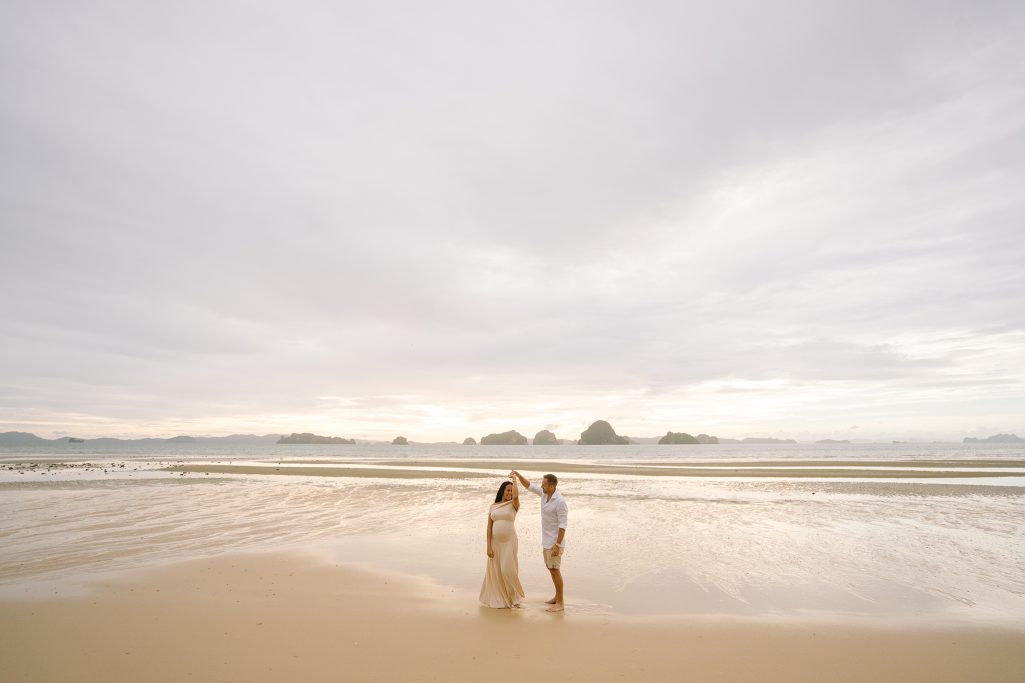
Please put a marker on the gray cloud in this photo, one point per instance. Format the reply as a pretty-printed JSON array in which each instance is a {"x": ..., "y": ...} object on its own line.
[{"x": 230, "y": 211}]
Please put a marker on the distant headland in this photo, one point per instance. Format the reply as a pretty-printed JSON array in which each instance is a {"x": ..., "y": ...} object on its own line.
[
  {"x": 674, "y": 438},
  {"x": 996, "y": 438},
  {"x": 306, "y": 437},
  {"x": 510, "y": 438},
  {"x": 27, "y": 439}
]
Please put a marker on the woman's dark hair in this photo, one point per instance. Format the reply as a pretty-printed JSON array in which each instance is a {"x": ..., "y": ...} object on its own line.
[{"x": 501, "y": 491}]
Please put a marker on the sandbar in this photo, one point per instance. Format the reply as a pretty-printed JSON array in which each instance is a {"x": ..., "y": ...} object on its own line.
[
  {"x": 336, "y": 471},
  {"x": 464, "y": 469}
]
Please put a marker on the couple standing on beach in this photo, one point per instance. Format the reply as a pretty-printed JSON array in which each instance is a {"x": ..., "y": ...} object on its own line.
[{"x": 501, "y": 587}]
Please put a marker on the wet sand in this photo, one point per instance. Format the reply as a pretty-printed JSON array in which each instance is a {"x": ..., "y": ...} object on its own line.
[
  {"x": 273, "y": 617},
  {"x": 943, "y": 550}
]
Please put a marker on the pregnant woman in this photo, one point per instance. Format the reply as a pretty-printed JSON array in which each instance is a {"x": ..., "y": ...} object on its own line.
[{"x": 501, "y": 587}]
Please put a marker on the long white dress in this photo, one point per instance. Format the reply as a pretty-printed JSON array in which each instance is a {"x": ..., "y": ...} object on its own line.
[{"x": 501, "y": 587}]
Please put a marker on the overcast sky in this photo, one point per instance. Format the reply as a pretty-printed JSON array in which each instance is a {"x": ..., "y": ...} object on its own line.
[{"x": 444, "y": 219}]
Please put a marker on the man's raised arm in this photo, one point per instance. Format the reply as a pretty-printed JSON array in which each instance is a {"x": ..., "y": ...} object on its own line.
[{"x": 526, "y": 482}]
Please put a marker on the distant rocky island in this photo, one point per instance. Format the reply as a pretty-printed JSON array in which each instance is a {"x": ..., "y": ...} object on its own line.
[
  {"x": 306, "y": 438},
  {"x": 675, "y": 438},
  {"x": 400, "y": 441},
  {"x": 833, "y": 441},
  {"x": 545, "y": 438},
  {"x": 996, "y": 438},
  {"x": 510, "y": 438},
  {"x": 601, "y": 433},
  {"x": 469, "y": 441}
]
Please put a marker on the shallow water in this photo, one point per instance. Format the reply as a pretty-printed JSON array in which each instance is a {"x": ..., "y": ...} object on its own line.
[
  {"x": 948, "y": 549},
  {"x": 682, "y": 454}
]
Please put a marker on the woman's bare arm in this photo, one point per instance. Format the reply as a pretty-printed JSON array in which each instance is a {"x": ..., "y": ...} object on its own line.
[
  {"x": 523, "y": 480},
  {"x": 491, "y": 522},
  {"x": 516, "y": 495}
]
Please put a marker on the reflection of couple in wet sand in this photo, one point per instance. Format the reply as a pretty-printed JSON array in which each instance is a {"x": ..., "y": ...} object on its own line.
[{"x": 501, "y": 587}]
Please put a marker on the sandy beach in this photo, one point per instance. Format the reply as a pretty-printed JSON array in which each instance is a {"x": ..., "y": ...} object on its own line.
[
  {"x": 277, "y": 616},
  {"x": 367, "y": 568}
]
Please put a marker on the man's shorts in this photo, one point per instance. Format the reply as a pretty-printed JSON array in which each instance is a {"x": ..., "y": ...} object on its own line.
[{"x": 553, "y": 561}]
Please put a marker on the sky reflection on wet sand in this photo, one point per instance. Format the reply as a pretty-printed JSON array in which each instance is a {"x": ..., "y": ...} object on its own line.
[{"x": 637, "y": 544}]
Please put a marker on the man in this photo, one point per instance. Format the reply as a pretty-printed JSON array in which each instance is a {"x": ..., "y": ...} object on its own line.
[{"x": 554, "y": 515}]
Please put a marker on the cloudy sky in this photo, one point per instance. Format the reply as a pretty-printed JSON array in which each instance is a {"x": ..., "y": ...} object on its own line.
[{"x": 791, "y": 219}]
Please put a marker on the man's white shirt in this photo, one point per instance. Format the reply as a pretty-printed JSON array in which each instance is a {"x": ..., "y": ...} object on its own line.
[{"x": 554, "y": 516}]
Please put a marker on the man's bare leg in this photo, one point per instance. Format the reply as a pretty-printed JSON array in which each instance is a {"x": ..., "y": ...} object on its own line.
[
  {"x": 552, "y": 601},
  {"x": 556, "y": 602}
]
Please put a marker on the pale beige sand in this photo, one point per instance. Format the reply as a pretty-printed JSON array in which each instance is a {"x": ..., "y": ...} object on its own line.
[{"x": 290, "y": 618}]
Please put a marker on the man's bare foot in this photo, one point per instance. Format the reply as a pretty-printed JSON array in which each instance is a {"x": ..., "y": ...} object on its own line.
[
  {"x": 550, "y": 602},
  {"x": 557, "y": 607}
]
